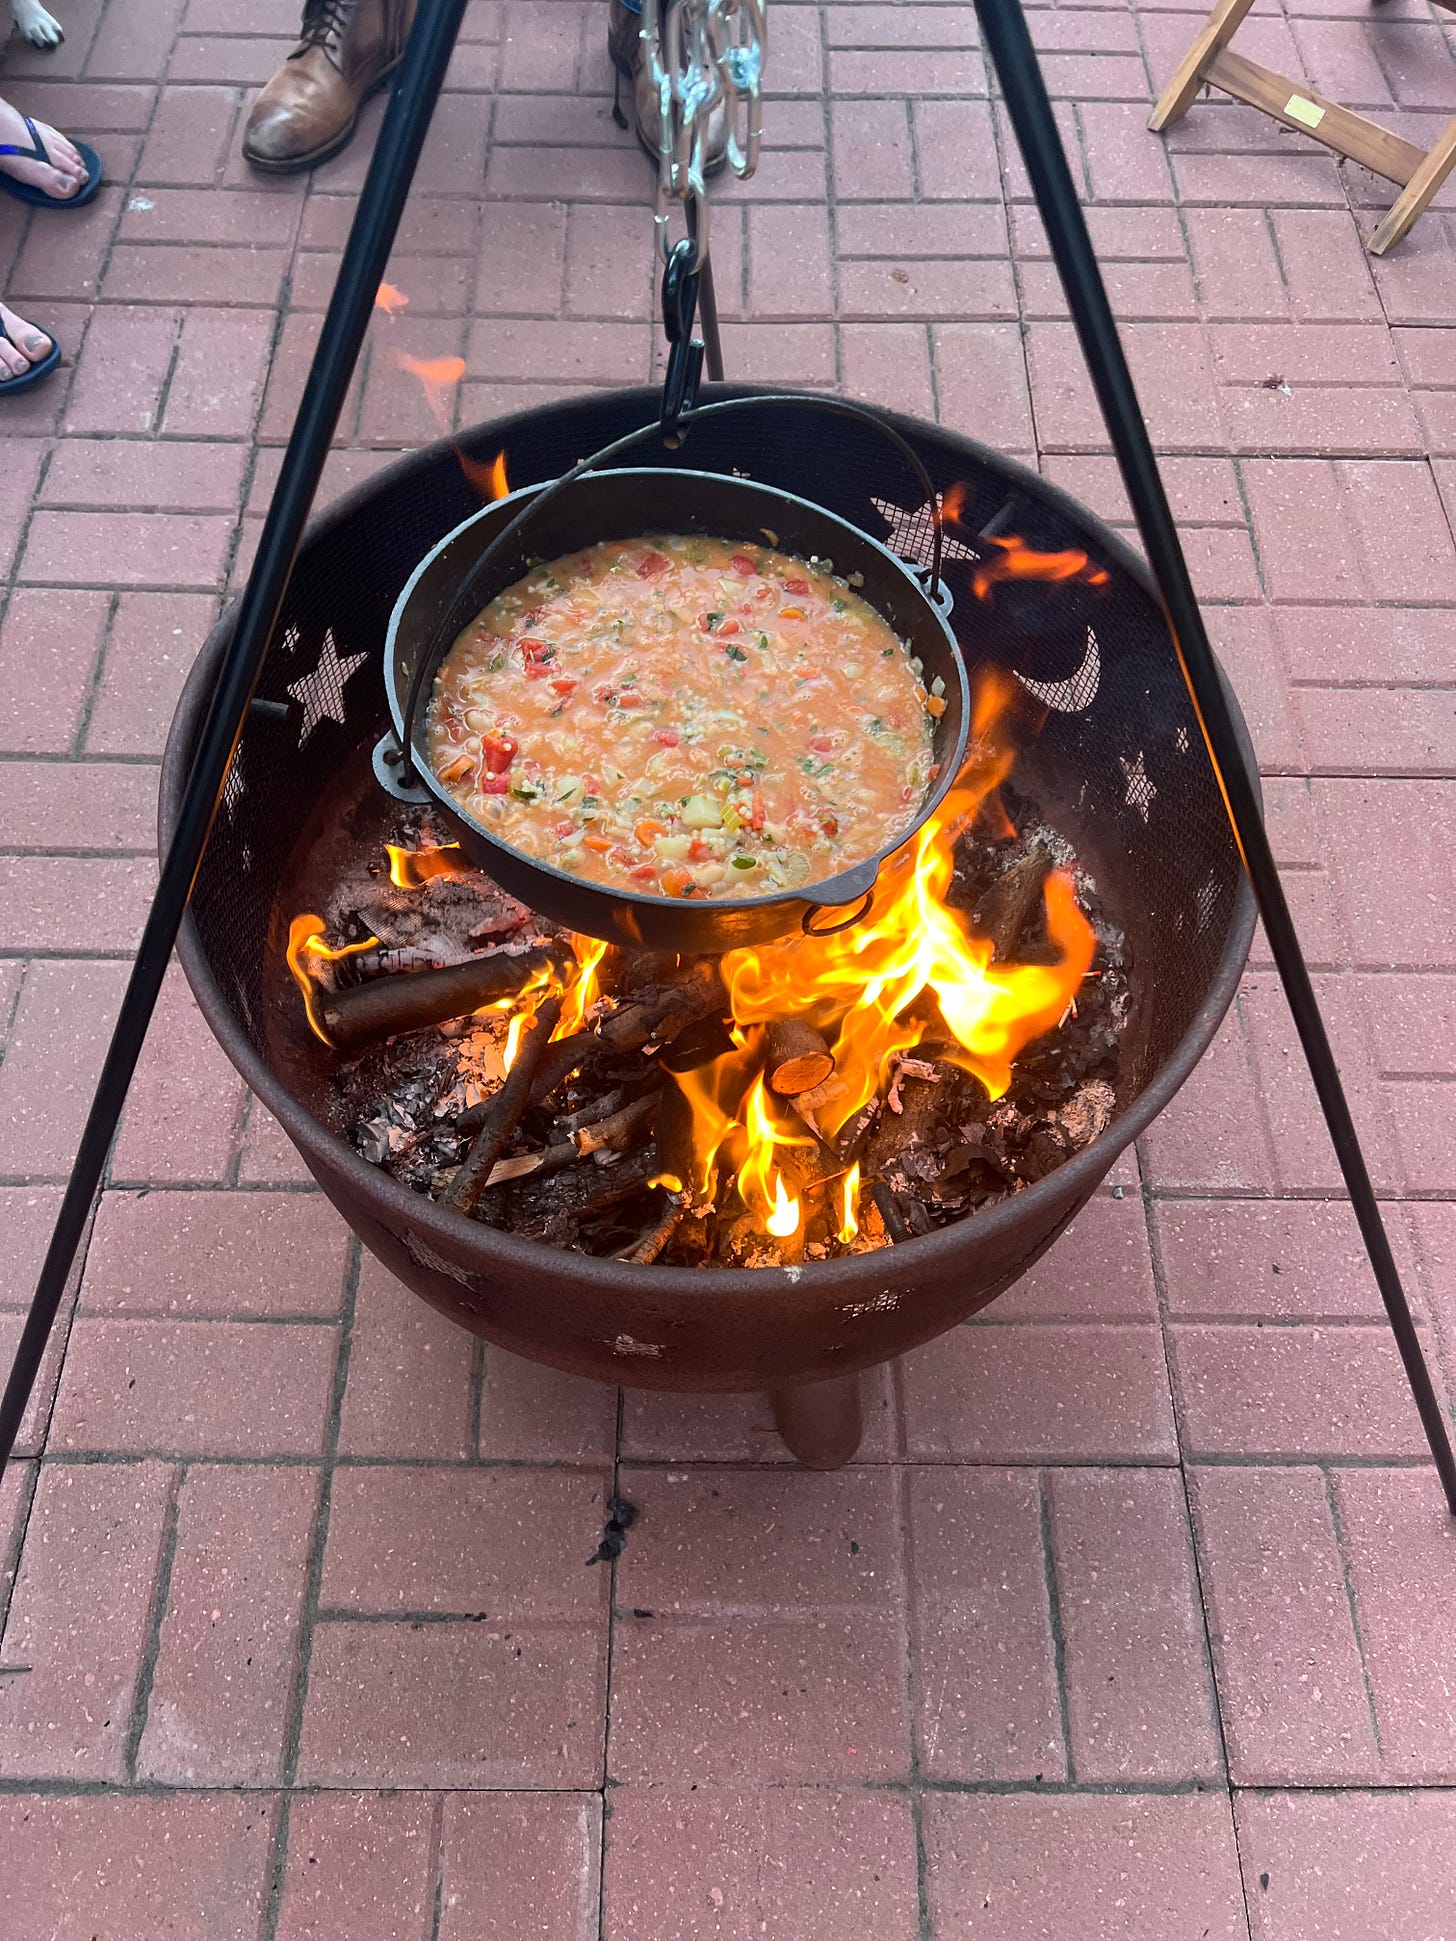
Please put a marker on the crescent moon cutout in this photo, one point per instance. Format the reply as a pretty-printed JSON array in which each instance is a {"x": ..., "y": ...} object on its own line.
[{"x": 1076, "y": 692}]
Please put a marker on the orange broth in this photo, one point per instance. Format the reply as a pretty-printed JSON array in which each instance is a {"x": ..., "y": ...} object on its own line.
[{"x": 685, "y": 717}]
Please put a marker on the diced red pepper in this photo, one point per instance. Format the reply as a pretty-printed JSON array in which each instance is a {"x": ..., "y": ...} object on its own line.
[
  {"x": 698, "y": 850},
  {"x": 565, "y": 826},
  {"x": 652, "y": 566},
  {"x": 564, "y": 685},
  {"x": 535, "y": 672},
  {"x": 796, "y": 586},
  {"x": 742, "y": 565},
  {"x": 495, "y": 785},
  {"x": 705, "y": 622},
  {"x": 629, "y": 698},
  {"x": 829, "y": 824},
  {"x": 756, "y": 814},
  {"x": 622, "y": 858},
  {"x": 645, "y": 872},
  {"x": 605, "y": 696},
  {"x": 533, "y": 651},
  {"x": 669, "y": 737},
  {"x": 730, "y": 627},
  {"x": 498, "y": 752},
  {"x": 763, "y": 594},
  {"x": 821, "y": 744}
]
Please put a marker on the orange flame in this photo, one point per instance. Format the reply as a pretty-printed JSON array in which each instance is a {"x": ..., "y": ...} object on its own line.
[
  {"x": 305, "y": 939},
  {"x": 1013, "y": 559},
  {"x": 390, "y": 300},
  {"x": 848, "y": 1201},
  {"x": 437, "y": 375},
  {"x": 912, "y": 971},
  {"x": 489, "y": 480},
  {"x": 411, "y": 869}
]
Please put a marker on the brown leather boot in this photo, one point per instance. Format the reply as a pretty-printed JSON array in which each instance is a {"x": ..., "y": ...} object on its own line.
[
  {"x": 624, "y": 45},
  {"x": 346, "y": 49}
]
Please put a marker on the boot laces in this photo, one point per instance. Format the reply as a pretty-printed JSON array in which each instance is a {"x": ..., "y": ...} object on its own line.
[{"x": 324, "y": 22}]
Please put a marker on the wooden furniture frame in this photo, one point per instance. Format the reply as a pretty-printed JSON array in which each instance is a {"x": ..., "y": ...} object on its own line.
[{"x": 1419, "y": 172}]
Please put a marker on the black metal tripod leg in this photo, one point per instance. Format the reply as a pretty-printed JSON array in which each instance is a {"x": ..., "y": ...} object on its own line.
[
  {"x": 1004, "y": 27},
  {"x": 366, "y": 254}
]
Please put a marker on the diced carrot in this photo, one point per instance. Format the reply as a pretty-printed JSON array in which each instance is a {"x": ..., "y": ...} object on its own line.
[
  {"x": 935, "y": 705},
  {"x": 730, "y": 627},
  {"x": 629, "y": 698},
  {"x": 647, "y": 830},
  {"x": 564, "y": 686},
  {"x": 599, "y": 844},
  {"x": 675, "y": 879},
  {"x": 792, "y": 613}
]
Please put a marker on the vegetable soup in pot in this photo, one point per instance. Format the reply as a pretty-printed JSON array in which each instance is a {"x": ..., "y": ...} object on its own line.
[{"x": 685, "y": 717}]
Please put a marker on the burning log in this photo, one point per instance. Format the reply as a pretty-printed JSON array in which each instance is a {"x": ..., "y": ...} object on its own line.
[
  {"x": 1014, "y": 900},
  {"x": 659, "y": 1016},
  {"x": 555, "y": 1209},
  {"x": 795, "y": 1057},
  {"x": 411, "y": 1000},
  {"x": 505, "y": 1109}
]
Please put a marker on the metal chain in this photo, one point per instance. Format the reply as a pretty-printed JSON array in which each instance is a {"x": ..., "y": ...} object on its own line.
[{"x": 712, "y": 51}]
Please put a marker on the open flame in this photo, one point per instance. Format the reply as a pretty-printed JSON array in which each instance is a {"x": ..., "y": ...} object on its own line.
[
  {"x": 306, "y": 941},
  {"x": 390, "y": 300},
  {"x": 489, "y": 481},
  {"x": 411, "y": 869},
  {"x": 911, "y": 974}
]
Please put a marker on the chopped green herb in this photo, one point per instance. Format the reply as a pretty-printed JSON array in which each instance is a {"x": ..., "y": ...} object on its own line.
[
  {"x": 737, "y": 653},
  {"x": 744, "y": 862},
  {"x": 839, "y": 606},
  {"x": 714, "y": 620}
]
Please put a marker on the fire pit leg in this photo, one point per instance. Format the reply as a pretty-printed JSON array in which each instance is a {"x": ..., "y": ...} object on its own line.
[{"x": 820, "y": 1421}]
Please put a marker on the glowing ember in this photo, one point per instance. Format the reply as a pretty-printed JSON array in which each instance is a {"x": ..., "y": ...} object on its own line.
[
  {"x": 411, "y": 869},
  {"x": 390, "y": 300},
  {"x": 437, "y": 376},
  {"x": 306, "y": 939}
]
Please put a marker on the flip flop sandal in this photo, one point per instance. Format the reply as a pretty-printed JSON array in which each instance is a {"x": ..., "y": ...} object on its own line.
[
  {"x": 37, "y": 197},
  {"x": 10, "y": 385}
]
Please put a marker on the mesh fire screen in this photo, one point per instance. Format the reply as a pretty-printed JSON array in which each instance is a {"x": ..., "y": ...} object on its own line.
[{"x": 1119, "y": 766}]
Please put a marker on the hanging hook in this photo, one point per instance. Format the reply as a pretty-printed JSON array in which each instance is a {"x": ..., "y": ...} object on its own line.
[{"x": 685, "y": 352}]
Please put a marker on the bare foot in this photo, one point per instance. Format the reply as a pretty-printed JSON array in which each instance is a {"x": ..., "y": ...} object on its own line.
[
  {"x": 28, "y": 346},
  {"x": 60, "y": 181}
]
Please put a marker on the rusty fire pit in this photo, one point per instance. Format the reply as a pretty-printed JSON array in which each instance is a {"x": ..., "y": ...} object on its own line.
[{"x": 1119, "y": 766}]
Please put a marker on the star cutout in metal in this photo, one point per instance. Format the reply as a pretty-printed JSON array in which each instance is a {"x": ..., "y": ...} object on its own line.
[
  {"x": 1140, "y": 791},
  {"x": 321, "y": 693},
  {"x": 910, "y": 531}
]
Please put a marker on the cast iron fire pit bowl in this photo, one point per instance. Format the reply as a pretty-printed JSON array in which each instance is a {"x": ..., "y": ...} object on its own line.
[{"x": 1119, "y": 768}]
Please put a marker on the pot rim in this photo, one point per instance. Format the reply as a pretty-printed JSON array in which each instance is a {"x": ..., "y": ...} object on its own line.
[
  {"x": 502, "y": 1252},
  {"x": 856, "y": 881}
]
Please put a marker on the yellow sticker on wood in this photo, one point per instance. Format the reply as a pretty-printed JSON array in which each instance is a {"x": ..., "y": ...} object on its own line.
[{"x": 1298, "y": 109}]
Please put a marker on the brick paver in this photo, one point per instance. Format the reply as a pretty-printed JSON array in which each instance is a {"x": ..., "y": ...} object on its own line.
[{"x": 1131, "y": 1616}]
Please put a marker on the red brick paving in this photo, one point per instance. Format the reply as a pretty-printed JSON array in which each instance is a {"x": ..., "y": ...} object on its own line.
[{"x": 1148, "y": 1555}]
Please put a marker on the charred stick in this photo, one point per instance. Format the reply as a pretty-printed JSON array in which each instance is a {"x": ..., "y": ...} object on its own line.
[
  {"x": 659, "y": 1016},
  {"x": 411, "y": 1000},
  {"x": 651, "y": 1243},
  {"x": 620, "y": 1130},
  {"x": 505, "y": 1111},
  {"x": 592, "y": 1113},
  {"x": 533, "y": 1165},
  {"x": 578, "y": 1193},
  {"x": 795, "y": 1057},
  {"x": 888, "y": 1208}
]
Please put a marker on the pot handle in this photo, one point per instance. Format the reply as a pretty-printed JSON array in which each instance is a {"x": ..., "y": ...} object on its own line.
[
  {"x": 465, "y": 603},
  {"x": 394, "y": 775},
  {"x": 853, "y": 886}
]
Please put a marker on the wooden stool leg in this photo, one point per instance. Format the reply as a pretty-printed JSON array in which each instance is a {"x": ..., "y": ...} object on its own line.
[
  {"x": 1417, "y": 193},
  {"x": 1218, "y": 30}
]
